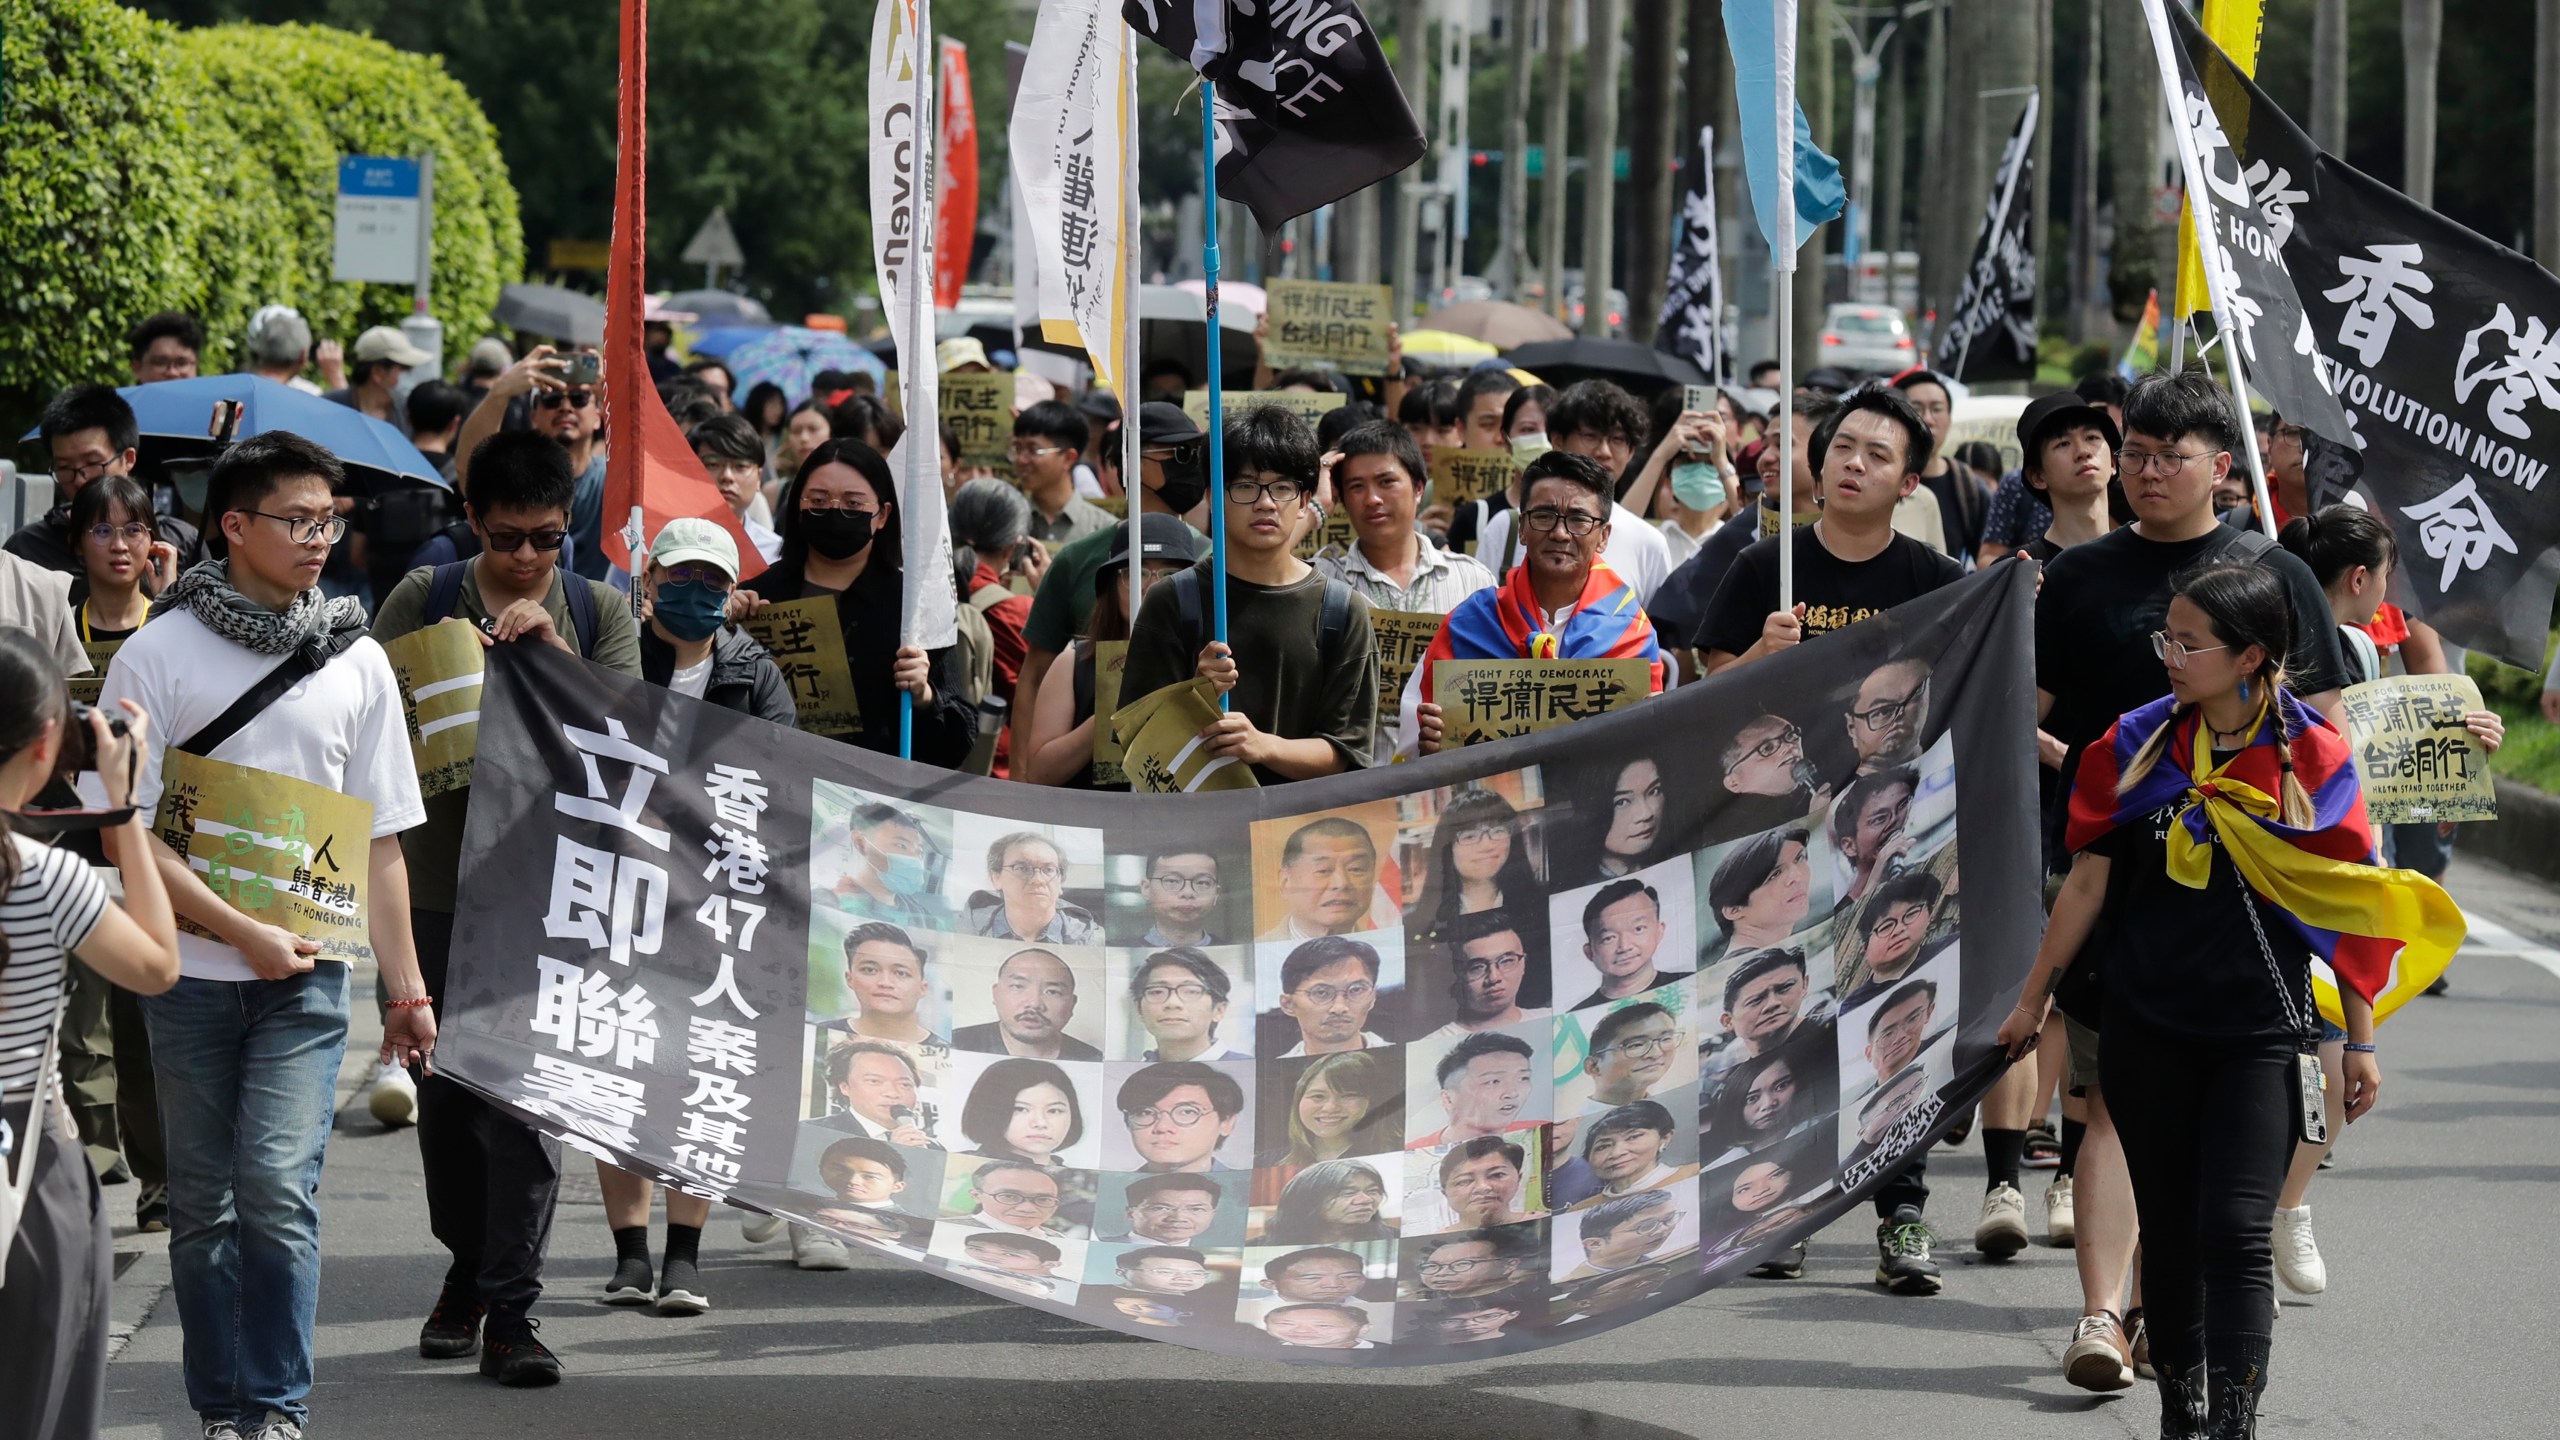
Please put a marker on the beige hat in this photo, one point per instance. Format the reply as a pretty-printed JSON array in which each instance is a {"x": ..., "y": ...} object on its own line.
[
  {"x": 688, "y": 538},
  {"x": 960, "y": 350},
  {"x": 385, "y": 342}
]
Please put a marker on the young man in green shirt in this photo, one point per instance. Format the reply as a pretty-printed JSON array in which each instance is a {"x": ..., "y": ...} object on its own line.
[{"x": 491, "y": 1181}]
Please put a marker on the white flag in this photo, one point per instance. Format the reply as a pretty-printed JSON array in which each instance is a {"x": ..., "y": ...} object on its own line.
[
  {"x": 1070, "y": 119},
  {"x": 902, "y": 130}
]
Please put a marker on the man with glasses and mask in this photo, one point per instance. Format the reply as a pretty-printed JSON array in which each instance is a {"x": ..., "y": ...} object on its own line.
[
  {"x": 1603, "y": 424},
  {"x": 1562, "y": 602},
  {"x": 570, "y": 416},
  {"x": 1299, "y": 668},
  {"x": 885, "y": 870},
  {"x": 1048, "y": 440}
]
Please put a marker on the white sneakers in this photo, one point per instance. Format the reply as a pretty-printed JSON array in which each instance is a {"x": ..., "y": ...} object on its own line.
[
  {"x": 2061, "y": 1227},
  {"x": 818, "y": 1250},
  {"x": 392, "y": 1097},
  {"x": 759, "y": 1228},
  {"x": 2297, "y": 1254},
  {"x": 2003, "y": 1231}
]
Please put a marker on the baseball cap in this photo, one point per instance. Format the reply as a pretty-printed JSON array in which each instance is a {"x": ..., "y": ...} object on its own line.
[
  {"x": 491, "y": 356},
  {"x": 2057, "y": 410},
  {"x": 385, "y": 342},
  {"x": 689, "y": 538},
  {"x": 960, "y": 350},
  {"x": 1099, "y": 405},
  {"x": 1161, "y": 422},
  {"x": 1160, "y": 537}
]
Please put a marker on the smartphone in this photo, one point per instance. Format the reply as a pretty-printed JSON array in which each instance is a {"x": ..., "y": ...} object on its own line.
[
  {"x": 580, "y": 370},
  {"x": 1702, "y": 400},
  {"x": 2309, "y": 1088}
]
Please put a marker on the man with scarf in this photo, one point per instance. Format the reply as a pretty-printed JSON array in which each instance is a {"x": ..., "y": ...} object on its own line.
[
  {"x": 247, "y": 1045},
  {"x": 1563, "y": 603}
]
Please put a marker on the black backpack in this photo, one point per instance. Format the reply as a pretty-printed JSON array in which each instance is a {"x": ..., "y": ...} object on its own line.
[{"x": 446, "y": 588}]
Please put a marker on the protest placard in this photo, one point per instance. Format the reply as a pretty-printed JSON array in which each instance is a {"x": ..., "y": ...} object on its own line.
[
  {"x": 281, "y": 850},
  {"x": 1459, "y": 476},
  {"x": 1163, "y": 754},
  {"x": 979, "y": 410},
  {"x": 1307, "y": 405},
  {"x": 2417, "y": 760},
  {"x": 439, "y": 669},
  {"x": 1324, "y": 322},
  {"x": 1484, "y": 700},
  {"x": 808, "y": 644},
  {"x": 1110, "y": 660},
  {"x": 85, "y": 688},
  {"x": 1402, "y": 637}
]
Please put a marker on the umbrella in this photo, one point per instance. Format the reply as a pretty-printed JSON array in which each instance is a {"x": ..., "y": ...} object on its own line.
[
  {"x": 791, "y": 356},
  {"x": 1173, "y": 324},
  {"x": 1242, "y": 294},
  {"x": 719, "y": 340},
  {"x": 1442, "y": 350},
  {"x": 719, "y": 307},
  {"x": 552, "y": 311},
  {"x": 1640, "y": 368},
  {"x": 175, "y": 415},
  {"x": 1498, "y": 323}
]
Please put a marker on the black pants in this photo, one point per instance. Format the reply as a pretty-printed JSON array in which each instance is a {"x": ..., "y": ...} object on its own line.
[
  {"x": 492, "y": 1181},
  {"x": 53, "y": 1296},
  {"x": 2208, "y": 1129},
  {"x": 1907, "y": 1186}
]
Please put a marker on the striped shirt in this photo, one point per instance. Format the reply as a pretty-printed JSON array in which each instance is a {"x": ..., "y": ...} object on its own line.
[{"x": 46, "y": 915}]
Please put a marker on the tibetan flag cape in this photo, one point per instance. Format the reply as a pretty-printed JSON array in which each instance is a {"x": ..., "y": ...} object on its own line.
[
  {"x": 2385, "y": 934},
  {"x": 1503, "y": 624}
]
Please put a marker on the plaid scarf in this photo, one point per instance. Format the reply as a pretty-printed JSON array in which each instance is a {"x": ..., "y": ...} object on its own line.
[{"x": 323, "y": 627}]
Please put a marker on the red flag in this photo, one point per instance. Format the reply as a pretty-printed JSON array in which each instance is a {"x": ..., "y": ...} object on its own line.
[
  {"x": 648, "y": 463},
  {"x": 955, "y": 214}
]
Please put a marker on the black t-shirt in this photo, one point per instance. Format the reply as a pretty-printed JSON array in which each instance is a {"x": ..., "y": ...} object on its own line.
[
  {"x": 1962, "y": 506},
  {"x": 1836, "y": 593},
  {"x": 2185, "y": 961},
  {"x": 2042, "y": 549},
  {"x": 1679, "y": 604}
]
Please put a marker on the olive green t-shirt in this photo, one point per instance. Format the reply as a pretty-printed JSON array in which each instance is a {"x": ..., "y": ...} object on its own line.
[
  {"x": 1284, "y": 680},
  {"x": 434, "y": 849}
]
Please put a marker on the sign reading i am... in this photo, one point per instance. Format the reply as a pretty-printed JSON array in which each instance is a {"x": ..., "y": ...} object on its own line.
[
  {"x": 281, "y": 850},
  {"x": 1324, "y": 322},
  {"x": 381, "y": 209}
]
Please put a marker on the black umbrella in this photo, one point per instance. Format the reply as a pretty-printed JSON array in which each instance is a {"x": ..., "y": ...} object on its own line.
[
  {"x": 552, "y": 311},
  {"x": 1642, "y": 369},
  {"x": 719, "y": 307}
]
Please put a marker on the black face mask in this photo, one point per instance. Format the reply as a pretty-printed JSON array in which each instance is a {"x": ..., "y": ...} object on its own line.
[
  {"x": 836, "y": 534},
  {"x": 1186, "y": 478}
]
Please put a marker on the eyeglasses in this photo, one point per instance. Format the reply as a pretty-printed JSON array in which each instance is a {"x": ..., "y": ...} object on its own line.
[
  {"x": 1185, "y": 884},
  {"x": 1575, "y": 522},
  {"x": 1789, "y": 738},
  {"x": 1456, "y": 1267},
  {"x": 1904, "y": 919},
  {"x": 508, "y": 542},
  {"x": 1478, "y": 834},
  {"x": 708, "y": 577},
  {"x": 1185, "y": 1116},
  {"x": 1251, "y": 492},
  {"x": 1884, "y": 712},
  {"x": 1639, "y": 1046},
  {"x": 1034, "y": 874},
  {"x": 80, "y": 475},
  {"x": 1190, "y": 994},
  {"x": 2176, "y": 655},
  {"x": 1015, "y": 1199},
  {"x": 1502, "y": 964},
  {"x": 1655, "y": 1224},
  {"x": 574, "y": 399},
  {"x": 1032, "y": 452},
  {"x": 1324, "y": 995},
  {"x": 135, "y": 533},
  {"x": 303, "y": 529},
  {"x": 2156, "y": 462}
]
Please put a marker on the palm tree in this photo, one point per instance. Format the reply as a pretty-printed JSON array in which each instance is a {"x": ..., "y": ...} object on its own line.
[
  {"x": 2329, "y": 76},
  {"x": 1651, "y": 144},
  {"x": 2421, "y": 47},
  {"x": 1600, "y": 172}
]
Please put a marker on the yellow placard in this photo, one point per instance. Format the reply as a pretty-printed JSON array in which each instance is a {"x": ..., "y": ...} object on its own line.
[
  {"x": 1308, "y": 405},
  {"x": 1484, "y": 700},
  {"x": 439, "y": 671},
  {"x": 1323, "y": 322},
  {"x": 1459, "y": 476},
  {"x": 1402, "y": 637},
  {"x": 281, "y": 850},
  {"x": 2416, "y": 759},
  {"x": 86, "y": 688},
  {"x": 979, "y": 410},
  {"x": 1163, "y": 753},
  {"x": 1336, "y": 530},
  {"x": 1115, "y": 506},
  {"x": 1110, "y": 662},
  {"x": 807, "y": 643}
]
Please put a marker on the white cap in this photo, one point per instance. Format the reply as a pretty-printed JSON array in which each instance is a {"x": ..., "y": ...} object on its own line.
[
  {"x": 689, "y": 538},
  {"x": 385, "y": 342}
]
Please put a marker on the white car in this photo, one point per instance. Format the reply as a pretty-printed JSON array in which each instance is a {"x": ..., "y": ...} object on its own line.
[{"x": 1870, "y": 338}]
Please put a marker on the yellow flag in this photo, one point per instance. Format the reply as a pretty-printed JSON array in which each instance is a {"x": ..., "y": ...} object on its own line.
[{"x": 2233, "y": 25}]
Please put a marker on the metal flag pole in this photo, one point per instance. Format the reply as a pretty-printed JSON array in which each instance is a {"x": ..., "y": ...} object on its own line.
[
  {"x": 923, "y": 443},
  {"x": 1217, "y": 409},
  {"x": 1783, "y": 262},
  {"x": 1133, "y": 482}
]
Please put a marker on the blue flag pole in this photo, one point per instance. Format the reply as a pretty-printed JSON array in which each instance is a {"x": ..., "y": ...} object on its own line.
[{"x": 1217, "y": 409}]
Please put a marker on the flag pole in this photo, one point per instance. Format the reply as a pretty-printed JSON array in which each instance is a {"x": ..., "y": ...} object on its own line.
[
  {"x": 1132, "y": 439},
  {"x": 924, "y": 445},
  {"x": 1217, "y": 408},
  {"x": 1783, "y": 264}
]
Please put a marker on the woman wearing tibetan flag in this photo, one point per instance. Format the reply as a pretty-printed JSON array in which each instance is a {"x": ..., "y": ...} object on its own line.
[
  {"x": 1562, "y": 602},
  {"x": 2220, "y": 856}
]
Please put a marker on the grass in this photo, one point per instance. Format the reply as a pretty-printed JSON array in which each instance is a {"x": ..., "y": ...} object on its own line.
[{"x": 2531, "y": 754}]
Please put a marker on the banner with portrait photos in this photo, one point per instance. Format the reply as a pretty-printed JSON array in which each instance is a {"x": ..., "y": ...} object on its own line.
[{"x": 1478, "y": 1054}]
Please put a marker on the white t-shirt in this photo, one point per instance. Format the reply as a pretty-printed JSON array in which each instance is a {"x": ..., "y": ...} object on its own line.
[
  {"x": 46, "y": 915},
  {"x": 341, "y": 727},
  {"x": 1636, "y": 550},
  {"x": 692, "y": 680}
]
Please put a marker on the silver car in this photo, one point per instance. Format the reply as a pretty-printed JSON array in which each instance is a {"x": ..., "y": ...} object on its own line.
[{"x": 1869, "y": 338}]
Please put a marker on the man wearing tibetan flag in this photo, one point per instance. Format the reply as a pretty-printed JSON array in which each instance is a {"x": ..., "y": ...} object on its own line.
[
  {"x": 1565, "y": 603},
  {"x": 2220, "y": 855}
]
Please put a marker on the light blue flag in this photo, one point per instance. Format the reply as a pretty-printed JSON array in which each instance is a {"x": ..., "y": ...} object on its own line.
[{"x": 1763, "y": 36}]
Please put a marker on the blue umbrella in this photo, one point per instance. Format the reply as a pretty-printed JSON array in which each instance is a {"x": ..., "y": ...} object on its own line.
[
  {"x": 718, "y": 341},
  {"x": 791, "y": 356},
  {"x": 175, "y": 418}
]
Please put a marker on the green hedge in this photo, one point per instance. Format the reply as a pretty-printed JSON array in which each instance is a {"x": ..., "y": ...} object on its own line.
[{"x": 151, "y": 168}]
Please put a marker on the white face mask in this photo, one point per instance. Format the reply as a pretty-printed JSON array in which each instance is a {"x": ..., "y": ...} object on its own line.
[{"x": 1529, "y": 446}]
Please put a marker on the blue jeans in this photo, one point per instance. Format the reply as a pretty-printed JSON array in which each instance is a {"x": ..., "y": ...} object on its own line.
[{"x": 248, "y": 1075}]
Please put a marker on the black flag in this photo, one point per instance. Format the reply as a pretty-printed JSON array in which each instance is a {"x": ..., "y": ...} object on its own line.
[
  {"x": 1308, "y": 108},
  {"x": 1693, "y": 301},
  {"x": 1992, "y": 333},
  {"x": 2444, "y": 346}
]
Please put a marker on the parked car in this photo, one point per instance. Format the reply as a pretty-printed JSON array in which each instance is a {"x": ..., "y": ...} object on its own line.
[{"x": 1871, "y": 338}]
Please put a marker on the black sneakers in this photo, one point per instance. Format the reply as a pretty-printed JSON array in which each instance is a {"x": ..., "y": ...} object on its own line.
[
  {"x": 453, "y": 1327},
  {"x": 1787, "y": 1264},
  {"x": 1902, "y": 1260},
  {"x": 680, "y": 1289},
  {"x": 632, "y": 1282},
  {"x": 515, "y": 1356}
]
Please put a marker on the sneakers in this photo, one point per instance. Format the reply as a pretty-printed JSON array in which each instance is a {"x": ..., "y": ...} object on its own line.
[
  {"x": 2061, "y": 1225},
  {"x": 2138, "y": 1348},
  {"x": 1787, "y": 1264},
  {"x": 2097, "y": 1356},
  {"x": 222, "y": 1430},
  {"x": 392, "y": 1097},
  {"x": 630, "y": 1284},
  {"x": 517, "y": 1358},
  {"x": 759, "y": 1228},
  {"x": 1902, "y": 1261},
  {"x": 817, "y": 1250},
  {"x": 453, "y": 1327},
  {"x": 2003, "y": 1230},
  {"x": 2043, "y": 1150},
  {"x": 277, "y": 1426},
  {"x": 680, "y": 1289},
  {"x": 151, "y": 1217},
  {"x": 2297, "y": 1254}
]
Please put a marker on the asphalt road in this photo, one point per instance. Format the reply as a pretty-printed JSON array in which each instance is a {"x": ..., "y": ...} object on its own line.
[{"x": 2436, "y": 1321}]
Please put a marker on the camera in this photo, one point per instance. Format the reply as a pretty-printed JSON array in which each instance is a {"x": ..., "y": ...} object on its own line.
[{"x": 79, "y": 743}]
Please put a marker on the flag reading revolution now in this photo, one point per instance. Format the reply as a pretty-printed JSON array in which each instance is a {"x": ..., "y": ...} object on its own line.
[{"x": 813, "y": 980}]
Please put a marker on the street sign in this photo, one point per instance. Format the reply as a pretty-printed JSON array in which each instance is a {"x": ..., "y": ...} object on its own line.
[
  {"x": 381, "y": 218},
  {"x": 715, "y": 243}
]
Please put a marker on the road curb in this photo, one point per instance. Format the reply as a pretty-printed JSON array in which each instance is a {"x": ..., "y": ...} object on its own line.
[
  {"x": 136, "y": 1292},
  {"x": 2526, "y": 835}
]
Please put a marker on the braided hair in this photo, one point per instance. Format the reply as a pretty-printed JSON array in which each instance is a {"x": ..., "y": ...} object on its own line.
[{"x": 2246, "y": 606}]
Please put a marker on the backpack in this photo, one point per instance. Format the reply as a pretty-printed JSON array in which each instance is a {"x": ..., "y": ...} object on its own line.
[
  {"x": 446, "y": 588},
  {"x": 977, "y": 644},
  {"x": 1192, "y": 609}
]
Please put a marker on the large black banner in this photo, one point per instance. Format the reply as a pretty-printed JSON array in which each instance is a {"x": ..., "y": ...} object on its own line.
[
  {"x": 2444, "y": 346},
  {"x": 1478, "y": 1054},
  {"x": 1991, "y": 333}
]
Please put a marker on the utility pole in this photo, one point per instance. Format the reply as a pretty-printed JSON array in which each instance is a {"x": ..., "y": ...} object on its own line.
[
  {"x": 1451, "y": 251},
  {"x": 1866, "y": 69},
  {"x": 1559, "y": 96},
  {"x": 2144, "y": 252},
  {"x": 1893, "y": 156},
  {"x": 1929, "y": 237},
  {"x": 1600, "y": 175},
  {"x": 1814, "y": 92}
]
